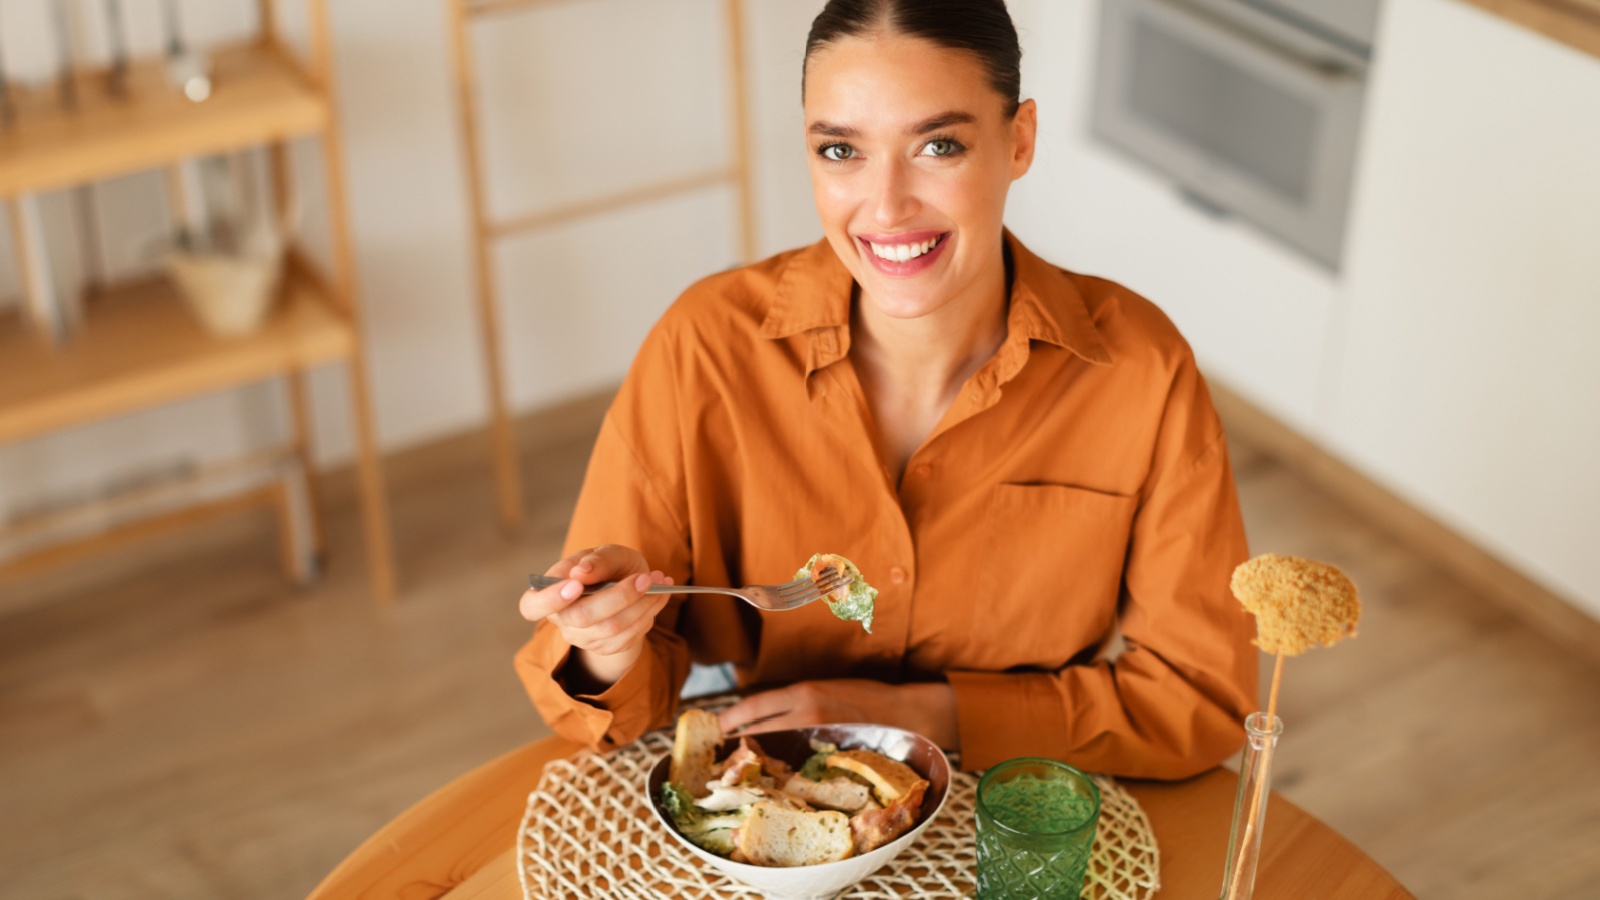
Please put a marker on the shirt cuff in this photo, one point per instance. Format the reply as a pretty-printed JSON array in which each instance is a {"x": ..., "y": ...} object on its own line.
[
  {"x": 1004, "y": 716},
  {"x": 611, "y": 718}
]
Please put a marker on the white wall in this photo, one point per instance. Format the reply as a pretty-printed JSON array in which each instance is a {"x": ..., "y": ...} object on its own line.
[{"x": 1469, "y": 377}]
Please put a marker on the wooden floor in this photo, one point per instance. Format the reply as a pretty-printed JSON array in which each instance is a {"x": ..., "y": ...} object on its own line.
[{"x": 176, "y": 722}]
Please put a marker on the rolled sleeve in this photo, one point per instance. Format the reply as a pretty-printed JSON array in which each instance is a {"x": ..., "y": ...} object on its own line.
[{"x": 643, "y": 698}]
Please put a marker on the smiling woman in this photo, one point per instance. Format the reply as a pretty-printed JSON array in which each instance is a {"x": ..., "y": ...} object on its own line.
[{"x": 1023, "y": 460}]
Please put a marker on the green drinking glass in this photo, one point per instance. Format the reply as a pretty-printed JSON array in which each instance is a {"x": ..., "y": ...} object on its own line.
[{"x": 1036, "y": 826}]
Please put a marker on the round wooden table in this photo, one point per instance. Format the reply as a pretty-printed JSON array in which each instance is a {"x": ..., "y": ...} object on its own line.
[{"x": 460, "y": 841}]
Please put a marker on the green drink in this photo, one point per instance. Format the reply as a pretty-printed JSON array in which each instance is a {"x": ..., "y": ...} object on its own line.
[{"x": 1036, "y": 826}]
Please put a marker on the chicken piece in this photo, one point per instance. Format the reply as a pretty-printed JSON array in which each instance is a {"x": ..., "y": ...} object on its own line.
[
  {"x": 841, "y": 794},
  {"x": 730, "y": 797},
  {"x": 872, "y": 828},
  {"x": 743, "y": 766},
  {"x": 771, "y": 765}
]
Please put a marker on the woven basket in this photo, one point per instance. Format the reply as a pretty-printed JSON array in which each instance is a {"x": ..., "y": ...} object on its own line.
[{"x": 588, "y": 833}]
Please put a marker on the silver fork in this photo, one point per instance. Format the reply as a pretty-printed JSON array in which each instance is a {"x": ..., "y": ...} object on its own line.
[{"x": 775, "y": 597}]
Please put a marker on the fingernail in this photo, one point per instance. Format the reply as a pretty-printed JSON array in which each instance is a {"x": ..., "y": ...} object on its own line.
[
  {"x": 582, "y": 567},
  {"x": 641, "y": 583},
  {"x": 571, "y": 590}
]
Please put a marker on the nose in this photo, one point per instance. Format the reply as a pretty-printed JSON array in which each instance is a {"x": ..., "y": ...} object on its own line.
[{"x": 893, "y": 195}]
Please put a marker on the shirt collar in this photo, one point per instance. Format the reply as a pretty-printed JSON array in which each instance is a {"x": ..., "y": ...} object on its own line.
[{"x": 813, "y": 297}]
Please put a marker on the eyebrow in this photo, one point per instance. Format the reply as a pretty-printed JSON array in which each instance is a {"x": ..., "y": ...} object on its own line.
[{"x": 934, "y": 123}]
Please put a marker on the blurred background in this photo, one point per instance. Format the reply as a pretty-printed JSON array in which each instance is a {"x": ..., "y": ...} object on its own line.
[{"x": 309, "y": 312}]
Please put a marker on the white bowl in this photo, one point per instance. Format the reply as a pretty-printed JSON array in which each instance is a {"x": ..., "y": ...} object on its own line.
[{"x": 794, "y": 746}]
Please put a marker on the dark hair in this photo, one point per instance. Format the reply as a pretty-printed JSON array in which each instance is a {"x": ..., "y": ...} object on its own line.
[{"x": 982, "y": 28}]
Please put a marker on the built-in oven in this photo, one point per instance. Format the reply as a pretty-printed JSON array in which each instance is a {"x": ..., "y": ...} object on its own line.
[{"x": 1252, "y": 106}]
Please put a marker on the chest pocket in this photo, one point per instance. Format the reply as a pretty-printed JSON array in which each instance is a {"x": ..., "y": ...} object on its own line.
[{"x": 1053, "y": 570}]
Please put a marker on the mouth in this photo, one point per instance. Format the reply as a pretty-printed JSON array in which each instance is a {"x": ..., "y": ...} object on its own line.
[{"x": 903, "y": 255}]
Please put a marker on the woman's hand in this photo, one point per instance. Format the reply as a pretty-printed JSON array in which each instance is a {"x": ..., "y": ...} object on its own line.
[
  {"x": 607, "y": 628},
  {"x": 928, "y": 708}
]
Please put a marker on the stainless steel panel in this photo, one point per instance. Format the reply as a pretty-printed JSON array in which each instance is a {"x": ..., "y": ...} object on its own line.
[{"x": 1261, "y": 130}]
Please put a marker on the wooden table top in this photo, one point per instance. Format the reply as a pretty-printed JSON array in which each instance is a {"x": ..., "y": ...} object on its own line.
[{"x": 460, "y": 841}]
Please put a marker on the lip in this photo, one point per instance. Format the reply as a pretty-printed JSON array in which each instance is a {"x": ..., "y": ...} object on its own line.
[{"x": 914, "y": 266}]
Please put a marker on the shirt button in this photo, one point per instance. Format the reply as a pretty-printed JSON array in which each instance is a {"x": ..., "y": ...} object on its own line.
[{"x": 897, "y": 575}]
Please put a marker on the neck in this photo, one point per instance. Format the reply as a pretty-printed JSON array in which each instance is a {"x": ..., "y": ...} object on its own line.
[{"x": 933, "y": 355}]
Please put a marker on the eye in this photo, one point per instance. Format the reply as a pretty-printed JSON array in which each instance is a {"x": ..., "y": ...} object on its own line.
[
  {"x": 941, "y": 147},
  {"x": 837, "y": 152}
]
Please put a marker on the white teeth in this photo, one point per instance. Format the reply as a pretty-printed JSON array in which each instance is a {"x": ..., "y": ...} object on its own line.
[{"x": 902, "y": 252}]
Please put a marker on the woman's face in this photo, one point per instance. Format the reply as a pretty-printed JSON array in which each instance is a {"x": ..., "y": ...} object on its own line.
[{"x": 911, "y": 157}]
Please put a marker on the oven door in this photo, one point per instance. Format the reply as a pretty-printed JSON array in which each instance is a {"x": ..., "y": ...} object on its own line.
[{"x": 1248, "y": 124}]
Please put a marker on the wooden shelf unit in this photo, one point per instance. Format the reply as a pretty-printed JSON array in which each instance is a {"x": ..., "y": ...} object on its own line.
[
  {"x": 141, "y": 347},
  {"x": 260, "y": 95},
  {"x": 138, "y": 346}
]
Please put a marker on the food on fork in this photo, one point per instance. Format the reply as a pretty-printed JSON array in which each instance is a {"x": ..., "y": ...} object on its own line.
[
  {"x": 1298, "y": 603},
  {"x": 852, "y": 601},
  {"x": 752, "y": 807}
]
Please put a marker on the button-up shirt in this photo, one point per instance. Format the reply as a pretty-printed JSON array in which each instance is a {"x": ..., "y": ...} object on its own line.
[{"x": 1078, "y": 488}]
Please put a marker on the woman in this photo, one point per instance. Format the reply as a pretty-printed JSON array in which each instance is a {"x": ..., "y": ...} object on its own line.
[{"x": 1023, "y": 460}]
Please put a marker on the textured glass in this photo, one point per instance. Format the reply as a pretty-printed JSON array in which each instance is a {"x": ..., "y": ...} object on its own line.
[
  {"x": 1250, "y": 807},
  {"x": 1036, "y": 826}
]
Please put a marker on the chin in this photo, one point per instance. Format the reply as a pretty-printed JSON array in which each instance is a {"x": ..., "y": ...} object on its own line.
[{"x": 902, "y": 301}]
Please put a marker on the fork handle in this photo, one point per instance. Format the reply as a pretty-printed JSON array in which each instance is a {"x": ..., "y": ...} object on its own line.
[{"x": 540, "y": 582}]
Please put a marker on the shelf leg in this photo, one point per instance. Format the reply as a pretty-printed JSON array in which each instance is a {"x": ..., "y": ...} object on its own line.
[
  {"x": 296, "y": 564},
  {"x": 502, "y": 434},
  {"x": 374, "y": 501},
  {"x": 300, "y": 416},
  {"x": 739, "y": 100}
]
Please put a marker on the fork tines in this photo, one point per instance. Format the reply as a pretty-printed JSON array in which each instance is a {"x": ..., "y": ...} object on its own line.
[{"x": 808, "y": 588}]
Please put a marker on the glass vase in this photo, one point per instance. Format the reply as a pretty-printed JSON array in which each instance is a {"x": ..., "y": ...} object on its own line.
[{"x": 1250, "y": 807}]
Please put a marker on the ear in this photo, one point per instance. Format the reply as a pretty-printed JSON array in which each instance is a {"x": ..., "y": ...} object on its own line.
[{"x": 1024, "y": 137}]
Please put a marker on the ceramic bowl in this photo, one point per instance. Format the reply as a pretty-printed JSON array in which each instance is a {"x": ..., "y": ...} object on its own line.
[{"x": 794, "y": 747}]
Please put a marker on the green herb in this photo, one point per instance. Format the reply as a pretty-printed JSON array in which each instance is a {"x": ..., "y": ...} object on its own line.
[
  {"x": 857, "y": 604},
  {"x": 709, "y": 830},
  {"x": 818, "y": 763}
]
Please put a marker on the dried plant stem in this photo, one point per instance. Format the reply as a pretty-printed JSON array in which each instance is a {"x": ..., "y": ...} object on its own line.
[{"x": 1234, "y": 886}]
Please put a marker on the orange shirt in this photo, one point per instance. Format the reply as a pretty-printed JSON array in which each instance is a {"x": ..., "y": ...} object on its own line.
[{"x": 1079, "y": 483}]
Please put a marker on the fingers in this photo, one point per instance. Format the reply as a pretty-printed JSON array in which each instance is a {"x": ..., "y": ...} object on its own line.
[
  {"x": 608, "y": 562},
  {"x": 563, "y": 568},
  {"x": 768, "y": 708},
  {"x": 591, "y": 565},
  {"x": 622, "y": 632}
]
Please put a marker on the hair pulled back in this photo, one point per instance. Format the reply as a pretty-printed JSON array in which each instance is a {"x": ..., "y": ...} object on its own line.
[{"x": 982, "y": 28}]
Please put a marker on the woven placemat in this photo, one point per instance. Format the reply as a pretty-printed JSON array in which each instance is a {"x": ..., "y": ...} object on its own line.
[{"x": 588, "y": 832}]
